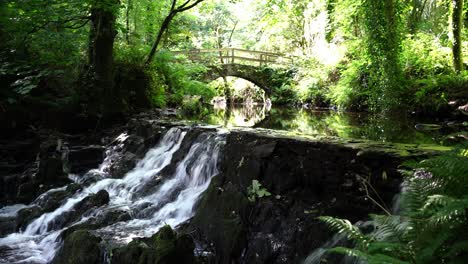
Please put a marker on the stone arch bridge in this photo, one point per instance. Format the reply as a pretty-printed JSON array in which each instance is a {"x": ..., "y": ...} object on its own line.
[{"x": 253, "y": 66}]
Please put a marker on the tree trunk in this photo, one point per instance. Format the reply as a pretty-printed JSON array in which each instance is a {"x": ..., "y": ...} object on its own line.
[
  {"x": 457, "y": 18},
  {"x": 101, "y": 45},
  {"x": 164, "y": 27},
  {"x": 127, "y": 21},
  {"x": 415, "y": 17}
]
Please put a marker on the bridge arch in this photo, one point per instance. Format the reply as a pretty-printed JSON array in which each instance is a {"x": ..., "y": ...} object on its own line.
[
  {"x": 255, "y": 75},
  {"x": 250, "y": 65}
]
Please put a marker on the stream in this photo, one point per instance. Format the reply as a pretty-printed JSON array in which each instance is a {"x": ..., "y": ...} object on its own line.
[
  {"x": 166, "y": 185},
  {"x": 346, "y": 125},
  {"x": 170, "y": 203}
]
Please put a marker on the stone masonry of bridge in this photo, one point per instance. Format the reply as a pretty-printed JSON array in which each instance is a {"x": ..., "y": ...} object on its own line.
[{"x": 253, "y": 66}]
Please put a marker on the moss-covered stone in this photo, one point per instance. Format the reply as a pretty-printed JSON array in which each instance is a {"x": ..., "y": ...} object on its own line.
[
  {"x": 26, "y": 215},
  {"x": 80, "y": 247},
  {"x": 164, "y": 247},
  {"x": 221, "y": 217}
]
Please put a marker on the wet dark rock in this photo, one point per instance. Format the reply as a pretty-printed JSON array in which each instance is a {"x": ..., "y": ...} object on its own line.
[
  {"x": 142, "y": 135},
  {"x": 164, "y": 247},
  {"x": 90, "y": 177},
  {"x": 114, "y": 216},
  {"x": 26, "y": 215},
  {"x": 28, "y": 191},
  {"x": 45, "y": 203},
  {"x": 7, "y": 226},
  {"x": 80, "y": 247},
  {"x": 52, "y": 200},
  {"x": 105, "y": 218},
  {"x": 82, "y": 208},
  {"x": 83, "y": 158},
  {"x": 222, "y": 217},
  {"x": 306, "y": 179},
  {"x": 124, "y": 164},
  {"x": 51, "y": 170},
  {"x": 52, "y": 162},
  {"x": 264, "y": 151},
  {"x": 17, "y": 164},
  {"x": 8, "y": 187},
  {"x": 95, "y": 200}
]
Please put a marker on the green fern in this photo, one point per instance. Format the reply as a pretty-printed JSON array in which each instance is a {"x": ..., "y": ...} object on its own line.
[
  {"x": 433, "y": 224},
  {"x": 345, "y": 227}
]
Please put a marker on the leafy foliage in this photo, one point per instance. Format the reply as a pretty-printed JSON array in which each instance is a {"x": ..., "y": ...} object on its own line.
[
  {"x": 432, "y": 225},
  {"x": 181, "y": 79},
  {"x": 256, "y": 190},
  {"x": 355, "y": 55}
]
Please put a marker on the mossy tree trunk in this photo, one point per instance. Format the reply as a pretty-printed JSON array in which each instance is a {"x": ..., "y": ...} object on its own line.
[
  {"x": 457, "y": 18},
  {"x": 383, "y": 30},
  {"x": 100, "y": 53}
]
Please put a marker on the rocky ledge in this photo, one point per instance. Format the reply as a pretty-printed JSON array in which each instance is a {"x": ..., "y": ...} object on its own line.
[
  {"x": 306, "y": 178},
  {"x": 297, "y": 179}
]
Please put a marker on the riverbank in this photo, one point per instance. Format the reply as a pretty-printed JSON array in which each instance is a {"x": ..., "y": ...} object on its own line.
[{"x": 305, "y": 176}]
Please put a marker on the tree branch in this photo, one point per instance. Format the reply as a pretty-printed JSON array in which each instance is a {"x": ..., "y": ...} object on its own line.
[
  {"x": 182, "y": 8},
  {"x": 166, "y": 22}
]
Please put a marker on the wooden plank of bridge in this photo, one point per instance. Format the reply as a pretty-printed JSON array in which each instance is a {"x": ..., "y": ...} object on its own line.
[{"x": 254, "y": 56}]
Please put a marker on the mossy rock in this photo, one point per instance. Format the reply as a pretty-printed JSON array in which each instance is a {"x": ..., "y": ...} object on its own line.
[
  {"x": 26, "y": 215},
  {"x": 135, "y": 252},
  {"x": 80, "y": 247},
  {"x": 221, "y": 217},
  {"x": 164, "y": 247}
]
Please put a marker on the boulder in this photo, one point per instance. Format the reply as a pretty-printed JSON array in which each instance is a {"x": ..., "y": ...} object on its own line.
[
  {"x": 52, "y": 200},
  {"x": 307, "y": 178},
  {"x": 83, "y": 158},
  {"x": 80, "y": 247},
  {"x": 52, "y": 162},
  {"x": 7, "y": 226},
  {"x": 28, "y": 191},
  {"x": 26, "y": 215},
  {"x": 164, "y": 247},
  {"x": 45, "y": 203},
  {"x": 222, "y": 217},
  {"x": 82, "y": 208}
]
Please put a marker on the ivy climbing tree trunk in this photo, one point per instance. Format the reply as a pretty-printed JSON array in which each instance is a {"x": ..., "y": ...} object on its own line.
[
  {"x": 100, "y": 53},
  {"x": 457, "y": 18},
  {"x": 188, "y": 4},
  {"x": 383, "y": 46}
]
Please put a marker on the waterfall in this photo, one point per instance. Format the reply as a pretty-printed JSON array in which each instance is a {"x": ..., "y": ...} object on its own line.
[{"x": 170, "y": 202}]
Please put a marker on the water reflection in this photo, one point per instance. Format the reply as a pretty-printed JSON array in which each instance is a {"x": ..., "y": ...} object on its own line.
[
  {"x": 246, "y": 116},
  {"x": 399, "y": 129}
]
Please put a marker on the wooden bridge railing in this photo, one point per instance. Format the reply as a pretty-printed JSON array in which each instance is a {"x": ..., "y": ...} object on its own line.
[{"x": 233, "y": 55}]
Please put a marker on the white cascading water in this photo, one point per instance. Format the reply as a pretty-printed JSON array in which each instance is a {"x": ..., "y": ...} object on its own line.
[{"x": 171, "y": 202}]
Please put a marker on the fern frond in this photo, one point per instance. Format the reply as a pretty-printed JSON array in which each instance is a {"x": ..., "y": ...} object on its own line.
[
  {"x": 389, "y": 227},
  {"x": 350, "y": 252},
  {"x": 433, "y": 225},
  {"x": 429, "y": 243},
  {"x": 369, "y": 258},
  {"x": 446, "y": 210},
  {"x": 343, "y": 226}
]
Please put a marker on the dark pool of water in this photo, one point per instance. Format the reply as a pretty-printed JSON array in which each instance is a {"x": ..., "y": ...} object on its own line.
[{"x": 397, "y": 129}]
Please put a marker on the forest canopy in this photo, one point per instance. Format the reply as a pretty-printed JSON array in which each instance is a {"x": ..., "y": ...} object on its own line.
[{"x": 353, "y": 55}]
